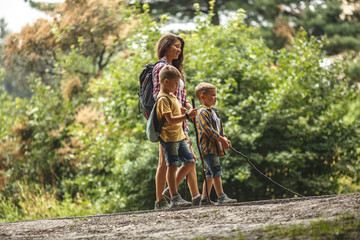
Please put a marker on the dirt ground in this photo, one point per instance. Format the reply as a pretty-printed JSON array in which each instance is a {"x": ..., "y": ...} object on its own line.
[{"x": 211, "y": 222}]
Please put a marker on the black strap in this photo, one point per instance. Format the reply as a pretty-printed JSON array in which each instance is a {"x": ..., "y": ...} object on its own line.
[
  {"x": 163, "y": 119},
  {"x": 161, "y": 96},
  {"x": 161, "y": 61}
]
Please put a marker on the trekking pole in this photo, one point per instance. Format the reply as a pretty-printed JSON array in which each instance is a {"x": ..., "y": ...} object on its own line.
[
  {"x": 186, "y": 183},
  {"x": 200, "y": 153},
  {"x": 266, "y": 177}
]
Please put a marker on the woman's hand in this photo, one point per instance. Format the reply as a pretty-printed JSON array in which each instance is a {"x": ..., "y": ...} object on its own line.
[
  {"x": 183, "y": 110},
  {"x": 192, "y": 113},
  {"x": 188, "y": 106}
]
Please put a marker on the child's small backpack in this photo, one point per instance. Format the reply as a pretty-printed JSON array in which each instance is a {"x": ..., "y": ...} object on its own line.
[
  {"x": 146, "y": 99},
  {"x": 153, "y": 125}
]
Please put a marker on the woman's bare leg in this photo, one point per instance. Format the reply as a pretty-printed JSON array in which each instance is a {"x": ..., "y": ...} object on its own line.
[
  {"x": 183, "y": 171},
  {"x": 160, "y": 178},
  {"x": 209, "y": 185},
  {"x": 192, "y": 178}
]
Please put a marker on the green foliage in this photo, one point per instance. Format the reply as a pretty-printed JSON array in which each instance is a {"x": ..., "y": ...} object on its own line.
[
  {"x": 41, "y": 6},
  {"x": 90, "y": 26},
  {"x": 340, "y": 26},
  {"x": 354, "y": 71},
  {"x": 8, "y": 211},
  {"x": 37, "y": 204},
  {"x": 282, "y": 109},
  {"x": 185, "y": 10},
  {"x": 279, "y": 20}
]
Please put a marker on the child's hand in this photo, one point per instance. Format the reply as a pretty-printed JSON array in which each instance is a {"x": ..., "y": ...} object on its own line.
[
  {"x": 183, "y": 110},
  {"x": 192, "y": 113},
  {"x": 225, "y": 142}
]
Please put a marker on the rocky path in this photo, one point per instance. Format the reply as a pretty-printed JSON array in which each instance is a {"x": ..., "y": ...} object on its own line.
[{"x": 210, "y": 222}]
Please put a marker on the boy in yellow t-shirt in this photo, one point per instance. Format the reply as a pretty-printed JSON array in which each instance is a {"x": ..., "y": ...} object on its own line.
[{"x": 172, "y": 137}]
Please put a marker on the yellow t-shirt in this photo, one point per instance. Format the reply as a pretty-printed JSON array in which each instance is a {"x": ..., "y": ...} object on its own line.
[{"x": 174, "y": 132}]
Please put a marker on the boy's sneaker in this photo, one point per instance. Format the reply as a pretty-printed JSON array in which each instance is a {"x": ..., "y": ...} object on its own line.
[
  {"x": 223, "y": 199},
  {"x": 162, "y": 204},
  {"x": 177, "y": 201},
  {"x": 195, "y": 201},
  {"x": 166, "y": 193},
  {"x": 205, "y": 202}
]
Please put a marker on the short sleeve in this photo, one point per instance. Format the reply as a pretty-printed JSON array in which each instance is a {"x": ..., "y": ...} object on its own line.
[{"x": 163, "y": 106}]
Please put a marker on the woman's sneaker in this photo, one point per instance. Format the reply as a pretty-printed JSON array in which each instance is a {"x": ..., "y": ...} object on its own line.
[
  {"x": 195, "y": 201},
  {"x": 205, "y": 202},
  {"x": 162, "y": 204},
  {"x": 223, "y": 199},
  {"x": 166, "y": 193},
  {"x": 177, "y": 201}
]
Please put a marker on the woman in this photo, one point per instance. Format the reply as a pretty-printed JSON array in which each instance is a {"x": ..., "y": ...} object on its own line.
[{"x": 170, "y": 50}]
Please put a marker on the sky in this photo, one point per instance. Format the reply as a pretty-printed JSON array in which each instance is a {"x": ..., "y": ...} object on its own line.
[{"x": 18, "y": 13}]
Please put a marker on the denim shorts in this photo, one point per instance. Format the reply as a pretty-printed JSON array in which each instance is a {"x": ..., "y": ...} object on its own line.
[
  {"x": 175, "y": 152},
  {"x": 213, "y": 167}
]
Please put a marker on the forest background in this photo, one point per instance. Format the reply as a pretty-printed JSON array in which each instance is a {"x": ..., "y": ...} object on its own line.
[{"x": 71, "y": 139}]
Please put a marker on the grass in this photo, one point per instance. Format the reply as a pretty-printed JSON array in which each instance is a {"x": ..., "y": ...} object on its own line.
[
  {"x": 38, "y": 204},
  {"x": 344, "y": 227}
]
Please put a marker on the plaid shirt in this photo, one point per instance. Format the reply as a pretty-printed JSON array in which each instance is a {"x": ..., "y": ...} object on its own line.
[
  {"x": 207, "y": 131},
  {"x": 180, "y": 95}
]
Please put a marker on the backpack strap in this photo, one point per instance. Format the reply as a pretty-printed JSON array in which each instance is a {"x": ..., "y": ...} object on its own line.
[
  {"x": 163, "y": 119},
  {"x": 161, "y": 96},
  {"x": 161, "y": 61}
]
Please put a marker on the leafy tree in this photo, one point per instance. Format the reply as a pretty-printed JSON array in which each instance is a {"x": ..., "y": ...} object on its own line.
[
  {"x": 119, "y": 161},
  {"x": 278, "y": 19},
  {"x": 42, "y": 146},
  {"x": 3, "y": 29},
  {"x": 338, "y": 20},
  {"x": 91, "y": 26},
  {"x": 10, "y": 109},
  {"x": 42, "y": 6},
  {"x": 3, "y": 33},
  {"x": 185, "y": 10}
]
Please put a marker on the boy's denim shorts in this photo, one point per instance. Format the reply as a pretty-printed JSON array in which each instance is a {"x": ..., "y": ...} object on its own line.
[
  {"x": 175, "y": 152},
  {"x": 213, "y": 167}
]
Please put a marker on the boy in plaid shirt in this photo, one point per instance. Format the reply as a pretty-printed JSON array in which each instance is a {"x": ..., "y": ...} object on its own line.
[{"x": 213, "y": 142}]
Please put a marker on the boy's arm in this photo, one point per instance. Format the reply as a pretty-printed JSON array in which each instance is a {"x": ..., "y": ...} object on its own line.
[
  {"x": 227, "y": 145},
  {"x": 170, "y": 119},
  {"x": 165, "y": 110},
  {"x": 188, "y": 105}
]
